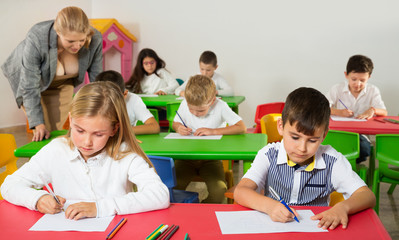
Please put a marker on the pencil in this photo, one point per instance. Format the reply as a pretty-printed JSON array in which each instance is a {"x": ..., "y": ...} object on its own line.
[
  {"x": 165, "y": 232},
  {"x": 158, "y": 233},
  {"x": 116, "y": 228},
  {"x": 172, "y": 232},
  {"x": 154, "y": 231},
  {"x": 343, "y": 104},
  {"x": 51, "y": 192},
  {"x": 378, "y": 120},
  {"x": 181, "y": 119},
  {"x": 139, "y": 141}
]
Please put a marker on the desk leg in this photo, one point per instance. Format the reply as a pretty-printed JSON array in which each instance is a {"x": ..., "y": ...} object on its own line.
[
  {"x": 371, "y": 166},
  {"x": 246, "y": 165},
  {"x": 235, "y": 109}
]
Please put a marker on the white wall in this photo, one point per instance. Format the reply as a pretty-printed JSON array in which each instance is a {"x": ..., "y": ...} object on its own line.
[{"x": 265, "y": 48}]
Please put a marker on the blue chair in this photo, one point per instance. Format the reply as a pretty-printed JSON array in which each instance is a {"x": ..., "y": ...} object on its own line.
[{"x": 165, "y": 168}]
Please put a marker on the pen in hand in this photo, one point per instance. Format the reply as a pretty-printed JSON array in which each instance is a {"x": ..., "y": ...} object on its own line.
[
  {"x": 52, "y": 193},
  {"x": 343, "y": 104},
  {"x": 181, "y": 119},
  {"x": 281, "y": 200}
]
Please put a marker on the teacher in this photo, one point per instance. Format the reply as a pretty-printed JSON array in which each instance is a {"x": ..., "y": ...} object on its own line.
[{"x": 45, "y": 67}]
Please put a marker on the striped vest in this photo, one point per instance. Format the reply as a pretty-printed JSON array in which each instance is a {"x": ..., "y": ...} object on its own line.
[{"x": 315, "y": 186}]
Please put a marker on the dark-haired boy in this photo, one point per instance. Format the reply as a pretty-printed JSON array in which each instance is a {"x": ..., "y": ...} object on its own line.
[{"x": 301, "y": 170}]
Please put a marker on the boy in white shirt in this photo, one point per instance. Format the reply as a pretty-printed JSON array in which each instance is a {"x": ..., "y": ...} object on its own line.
[
  {"x": 136, "y": 108},
  {"x": 357, "y": 98},
  {"x": 208, "y": 65},
  {"x": 203, "y": 114}
]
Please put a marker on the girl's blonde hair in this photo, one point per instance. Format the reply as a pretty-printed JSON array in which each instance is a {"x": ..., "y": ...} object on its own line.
[
  {"x": 73, "y": 19},
  {"x": 106, "y": 100}
]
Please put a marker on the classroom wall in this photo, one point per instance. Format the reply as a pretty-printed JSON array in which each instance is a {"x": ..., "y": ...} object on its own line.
[{"x": 265, "y": 48}]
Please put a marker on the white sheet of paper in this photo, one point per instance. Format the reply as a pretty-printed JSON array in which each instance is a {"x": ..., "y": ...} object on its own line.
[
  {"x": 147, "y": 95},
  {"x": 244, "y": 222},
  {"x": 58, "y": 222},
  {"x": 337, "y": 118},
  {"x": 178, "y": 136},
  {"x": 180, "y": 98}
]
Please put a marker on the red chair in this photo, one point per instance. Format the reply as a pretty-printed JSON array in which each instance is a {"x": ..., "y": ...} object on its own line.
[{"x": 263, "y": 109}]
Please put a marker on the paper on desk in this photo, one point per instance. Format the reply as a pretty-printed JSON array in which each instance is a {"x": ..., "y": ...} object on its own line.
[
  {"x": 243, "y": 222},
  {"x": 178, "y": 136},
  {"x": 58, "y": 222},
  {"x": 147, "y": 95},
  {"x": 346, "y": 119}
]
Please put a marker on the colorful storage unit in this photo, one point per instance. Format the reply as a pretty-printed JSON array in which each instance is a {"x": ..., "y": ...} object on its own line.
[{"x": 115, "y": 36}]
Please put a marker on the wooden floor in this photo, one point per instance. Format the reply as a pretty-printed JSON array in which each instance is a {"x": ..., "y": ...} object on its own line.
[{"x": 389, "y": 204}]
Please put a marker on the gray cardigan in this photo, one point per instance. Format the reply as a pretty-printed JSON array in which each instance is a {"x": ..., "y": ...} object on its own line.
[{"x": 31, "y": 67}]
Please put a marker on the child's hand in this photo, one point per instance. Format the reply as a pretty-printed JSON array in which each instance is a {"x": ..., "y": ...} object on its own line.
[
  {"x": 280, "y": 213},
  {"x": 331, "y": 218},
  {"x": 184, "y": 131},
  {"x": 369, "y": 113},
  {"x": 81, "y": 210},
  {"x": 204, "y": 132},
  {"x": 160, "y": 92},
  {"x": 346, "y": 113},
  {"x": 47, "y": 204}
]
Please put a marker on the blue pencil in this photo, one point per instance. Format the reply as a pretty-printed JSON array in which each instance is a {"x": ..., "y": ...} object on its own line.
[
  {"x": 343, "y": 104},
  {"x": 181, "y": 119}
]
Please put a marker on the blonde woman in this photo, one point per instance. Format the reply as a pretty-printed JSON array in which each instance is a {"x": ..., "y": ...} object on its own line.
[{"x": 46, "y": 66}]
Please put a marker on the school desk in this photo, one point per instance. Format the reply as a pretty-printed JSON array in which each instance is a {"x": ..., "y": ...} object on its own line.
[
  {"x": 369, "y": 127},
  {"x": 229, "y": 147},
  {"x": 198, "y": 220},
  {"x": 162, "y": 100},
  {"x": 372, "y": 126}
]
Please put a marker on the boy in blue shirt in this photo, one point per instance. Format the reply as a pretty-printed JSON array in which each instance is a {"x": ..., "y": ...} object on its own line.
[{"x": 301, "y": 170}]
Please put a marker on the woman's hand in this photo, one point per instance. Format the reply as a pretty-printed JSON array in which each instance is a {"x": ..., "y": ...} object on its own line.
[{"x": 40, "y": 132}]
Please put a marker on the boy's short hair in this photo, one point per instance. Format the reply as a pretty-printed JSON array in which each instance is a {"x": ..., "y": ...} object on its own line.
[
  {"x": 112, "y": 76},
  {"x": 200, "y": 90},
  {"x": 308, "y": 108},
  {"x": 209, "y": 57},
  {"x": 359, "y": 64}
]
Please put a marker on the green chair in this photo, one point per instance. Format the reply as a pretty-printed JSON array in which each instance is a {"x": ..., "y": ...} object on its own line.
[
  {"x": 387, "y": 154},
  {"x": 347, "y": 143},
  {"x": 154, "y": 113},
  {"x": 171, "y": 108}
]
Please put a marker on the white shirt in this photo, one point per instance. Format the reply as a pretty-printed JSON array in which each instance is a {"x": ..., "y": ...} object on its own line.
[
  {"x": 223, "y": 88},
  {"x": 218, "y": 115},
  {"x": 343, "y": 178},
  {"x": 136, "y": 109},
  {"x": 165, "y": 82},
  {"x": 369, "y": 97},
  {"x": 101, "y": 179}
]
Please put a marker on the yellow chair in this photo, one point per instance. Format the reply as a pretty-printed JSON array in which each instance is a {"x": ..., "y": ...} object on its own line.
[
  {"x": 268, "y": 125},
  {"x": 7, "y": 158}
]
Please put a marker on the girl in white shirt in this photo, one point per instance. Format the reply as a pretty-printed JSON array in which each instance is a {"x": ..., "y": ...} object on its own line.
[
  {"x": 150, "y": 76},
  {"x": 96, "y": 164}
]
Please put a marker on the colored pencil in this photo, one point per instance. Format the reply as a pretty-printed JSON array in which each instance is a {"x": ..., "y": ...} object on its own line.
[
  {"x": 378, "y": 120},
  {"x": 172, "y": 232},
  {"x": 158, "y": 233},
  {"x": 165, "y": 232},
  {"x": 116, "y": 228},
  {"x": 154, "y": 231}
]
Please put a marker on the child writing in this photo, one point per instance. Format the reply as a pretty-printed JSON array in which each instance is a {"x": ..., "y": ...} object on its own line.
[
  {"x": 302, "y": 171},
  {"x": 96, "y": 163},
  {"x": 150, "y": 76},
  {"x": 204, "y": 114},
  {"x": 208, "y": 64},
  {"x": 136, "y": 109},
  {"x": 357, "y": 98}
]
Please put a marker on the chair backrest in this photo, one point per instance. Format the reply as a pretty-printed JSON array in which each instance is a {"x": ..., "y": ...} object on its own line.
[
  {"x": 263, "y": 109},
  {"x": 180, "y": 81},
  {"x": 7, "y": 158},
  {"x": 171, "y": 108},
  {"x": 268, "y": 124},
  {"x": 387, "y": 153},
  {"x": 346, "y": 143},
  {"x": 165, "y": 167},
  {"x": 154, "y": 113}
]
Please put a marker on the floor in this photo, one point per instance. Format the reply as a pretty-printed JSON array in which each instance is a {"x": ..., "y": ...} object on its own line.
[{"x": 389, "y": 204}]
